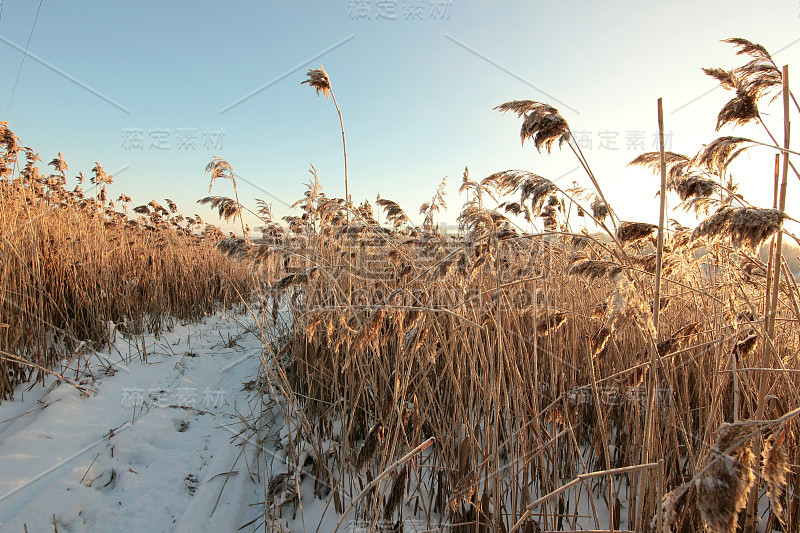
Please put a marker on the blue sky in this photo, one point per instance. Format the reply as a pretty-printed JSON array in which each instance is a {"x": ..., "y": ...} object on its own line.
[{"x": 416, "y": 91}]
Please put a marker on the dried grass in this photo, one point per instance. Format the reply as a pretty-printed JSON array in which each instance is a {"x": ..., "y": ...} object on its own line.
[
  {"x": 522, "y": 354},
  {"x": 76, "y": 269}
]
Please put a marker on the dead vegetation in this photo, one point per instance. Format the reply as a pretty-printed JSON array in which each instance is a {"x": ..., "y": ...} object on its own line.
[
  {"x": 79, "y": 267},
  {"x": 532, "y": 361},
  {"x": 527, "y": 355}
]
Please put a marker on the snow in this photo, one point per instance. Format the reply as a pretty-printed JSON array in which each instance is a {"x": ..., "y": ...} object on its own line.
[{"x": 150, "y": 445}]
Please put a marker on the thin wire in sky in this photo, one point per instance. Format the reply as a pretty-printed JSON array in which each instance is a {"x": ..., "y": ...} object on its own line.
[{"x": 23, "y": 57}]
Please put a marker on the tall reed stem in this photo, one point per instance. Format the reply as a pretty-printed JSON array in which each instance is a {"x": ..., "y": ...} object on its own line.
[
  {"x": 344, "y": 149},
  {"x": 776, "y": 279},
  {"x": 661, "y": 216},
  {"x": 651, "y": 380}
]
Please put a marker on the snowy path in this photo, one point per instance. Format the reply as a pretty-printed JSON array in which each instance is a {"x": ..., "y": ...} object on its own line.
[{"x": 148, "y": 450}]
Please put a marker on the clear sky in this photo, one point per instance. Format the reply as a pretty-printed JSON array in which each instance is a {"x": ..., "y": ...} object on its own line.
[{"x": 146, "y": 88}]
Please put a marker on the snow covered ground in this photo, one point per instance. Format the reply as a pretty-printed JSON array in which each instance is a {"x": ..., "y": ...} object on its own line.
[{"x": 151, "y": 445}]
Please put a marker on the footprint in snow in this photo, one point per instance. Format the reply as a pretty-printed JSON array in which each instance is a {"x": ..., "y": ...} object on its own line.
[
  {"x": 191, "y": 483},
  {"x": 105, "y": 481}
]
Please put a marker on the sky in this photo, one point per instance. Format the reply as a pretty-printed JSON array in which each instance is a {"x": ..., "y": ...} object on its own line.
[{"x": 153, "y": 90}]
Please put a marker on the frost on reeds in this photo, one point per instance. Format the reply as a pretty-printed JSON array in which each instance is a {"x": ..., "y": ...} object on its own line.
[
  {"x": 669, "y": 262},
  {"x": 738, "y": 111},
  {"x": 531, "y": 187},
  {"x": 599, "y": 209},
  {"x": 775, "y": 467},
  {"x": 370, "y": 333},
  {"x": 462, "y": 492},
  {"x": 487, "y": 331},
  {"x": 594, "y": 268},
  {"x": 693, "y": 186},
  {"x": 624, "y": 307},
  {"x": 720, "y": 153},
  {"x": 370, "y": 447},
  {"x": 723, "y": 488},
  {"x": 394, "y": 213},
  {"x": 629, "y": 232},
  {"x": 542, "y": 123},
  {"x": 599, "y": 342},
  {"x": 234, "y": 246},
  {"x": 319, "y": 80},
  {"x": 295, "y": 279},
  {"x": 628, "y": 305},
  {"x": 682, "y": 177},
  {"x": 745, "y": 226},
  {"x": 751, "y": 81},
  {"x": 670, "y": 507},
  {"x": 396, "y": 494},
  {"x": 86, "y": 267},
  {"x": 227, "y": 208}
]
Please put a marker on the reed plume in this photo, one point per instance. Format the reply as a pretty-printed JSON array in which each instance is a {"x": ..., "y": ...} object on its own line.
[
  {"x": 318, "y": 79},
  {"x": 746, "y": 226},
  {"x": 751, "y": 81},
  {"x": 542, "y": 123},
  {"x": 720, "y": 153},
  {"x": 396, "y": 494},
  {"x": 370, "y": 446},
  {"x": 775, "y": 467},
  {"x": 628, "y": 232},
  {"x": 681, "y": 178},
  {"x": 722, "y": 490}
]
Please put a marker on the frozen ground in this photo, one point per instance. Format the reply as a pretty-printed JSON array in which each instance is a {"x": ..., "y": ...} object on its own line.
[{"x": 151, "y": 445}]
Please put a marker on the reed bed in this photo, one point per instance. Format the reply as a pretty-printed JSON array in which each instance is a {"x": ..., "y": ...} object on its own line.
[
  {"x": 79, "y": 268},
  {"x": 552, "y": 390},
  {"x": 636, "y": 377}
]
